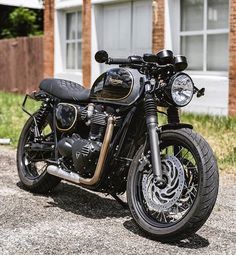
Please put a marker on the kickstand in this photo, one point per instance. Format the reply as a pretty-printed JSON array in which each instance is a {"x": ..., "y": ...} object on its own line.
[{"x": 121, "y": 202}]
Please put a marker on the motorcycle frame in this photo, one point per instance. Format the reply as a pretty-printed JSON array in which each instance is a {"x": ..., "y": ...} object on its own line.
[{"x": 118, "y": 141}]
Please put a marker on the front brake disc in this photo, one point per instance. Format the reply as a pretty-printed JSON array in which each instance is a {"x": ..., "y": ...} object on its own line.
[{"x": 161, "y": 199}]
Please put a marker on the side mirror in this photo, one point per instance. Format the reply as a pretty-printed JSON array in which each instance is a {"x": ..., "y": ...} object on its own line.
[{"x": 101, "y": 56}]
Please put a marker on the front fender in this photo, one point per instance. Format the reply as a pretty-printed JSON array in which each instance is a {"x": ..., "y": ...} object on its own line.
[{"x": 174, "y": 126}]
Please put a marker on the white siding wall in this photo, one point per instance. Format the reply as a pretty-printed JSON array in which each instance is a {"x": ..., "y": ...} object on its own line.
[
  {"x": 117, "y": 26},
  {"x": 121, "y": 28},
  {"x": 215, "y": 100},
  {"x": 60, "y": 37}
]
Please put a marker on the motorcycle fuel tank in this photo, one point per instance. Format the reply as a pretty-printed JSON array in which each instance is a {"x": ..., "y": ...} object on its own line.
[{"x": 116, "y": 86}]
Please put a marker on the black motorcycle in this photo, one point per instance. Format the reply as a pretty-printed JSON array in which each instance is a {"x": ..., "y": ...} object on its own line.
[{"x": 108, "y": 139}]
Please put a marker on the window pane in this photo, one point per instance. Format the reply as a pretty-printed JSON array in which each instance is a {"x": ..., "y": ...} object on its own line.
[
  {"x": 79, "y": 25},
  {"x": 217, "y": 52},
  {"x": 218, "y": 11},
  {"x": 79, "y": 54},
  {"x": 70, "y": 26},
  {"x": 70, "y": 55},
  {"x": 192, "y": 48},
  {"x": 192, "y": 15}
]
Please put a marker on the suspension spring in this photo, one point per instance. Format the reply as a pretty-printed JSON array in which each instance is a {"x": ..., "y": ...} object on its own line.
[
  {"x": 42, "y": 114},
  {"x": 173, "y": 114}
]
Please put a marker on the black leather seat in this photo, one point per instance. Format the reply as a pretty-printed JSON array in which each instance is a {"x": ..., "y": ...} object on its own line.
[{"x": 66, "y": 90}]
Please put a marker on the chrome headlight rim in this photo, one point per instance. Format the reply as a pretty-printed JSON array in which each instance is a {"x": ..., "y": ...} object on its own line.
[{"x": 170, "y": 88}]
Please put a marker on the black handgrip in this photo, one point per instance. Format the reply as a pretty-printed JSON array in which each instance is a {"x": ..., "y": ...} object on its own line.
[{"x": 118, "y": 61}]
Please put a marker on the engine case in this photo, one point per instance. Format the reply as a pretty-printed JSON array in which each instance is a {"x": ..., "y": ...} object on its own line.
[
  {"x": 67, "y": 116},
  {"x": 85, "y": 155}
]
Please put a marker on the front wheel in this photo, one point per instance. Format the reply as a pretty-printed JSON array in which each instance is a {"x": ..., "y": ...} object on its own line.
[{"x": 183, "y": 204}]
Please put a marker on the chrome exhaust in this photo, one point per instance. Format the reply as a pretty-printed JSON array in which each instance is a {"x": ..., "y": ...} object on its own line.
[
  {"x": 68, "y": 176},
  {"x": 76, "y": 178}
]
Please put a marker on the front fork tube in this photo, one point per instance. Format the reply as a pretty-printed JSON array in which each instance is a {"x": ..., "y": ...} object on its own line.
[{"x": 152, "y": 127}]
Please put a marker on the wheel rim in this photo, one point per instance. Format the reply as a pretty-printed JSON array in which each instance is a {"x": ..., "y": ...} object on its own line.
[
  {"x": 168, "y": 206},
  {"x": 34, "y": 163}
]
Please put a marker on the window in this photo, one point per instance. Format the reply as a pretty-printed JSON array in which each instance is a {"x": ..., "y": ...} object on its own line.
[
  {"x": 204, "y": 34},
  {"x": 127, "y": 27},
  {"x": 74, "y": 41}
]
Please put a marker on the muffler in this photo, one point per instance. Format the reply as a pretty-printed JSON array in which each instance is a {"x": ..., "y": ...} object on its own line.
[{"x": 76, "y": 178}]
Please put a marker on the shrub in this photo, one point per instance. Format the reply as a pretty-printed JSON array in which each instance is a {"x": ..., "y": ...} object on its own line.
[{"x": 22, "y": 22}]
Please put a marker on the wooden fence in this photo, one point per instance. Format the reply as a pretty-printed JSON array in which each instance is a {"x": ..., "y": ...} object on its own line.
[{"x": 21, "y": 64}]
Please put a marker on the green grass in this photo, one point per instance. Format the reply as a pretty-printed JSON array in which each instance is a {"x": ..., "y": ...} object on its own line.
[
  {"x": 220, "y": 132},
  {"x": 12, "y": 118}
]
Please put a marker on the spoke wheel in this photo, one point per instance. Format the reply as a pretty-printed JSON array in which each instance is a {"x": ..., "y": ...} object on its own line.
[
  {"x": 183, "y": 204},
  {"x": 171, "y": 203},
  {"x": 33, "y": 154},
  {"x": 34, "y": 158}
]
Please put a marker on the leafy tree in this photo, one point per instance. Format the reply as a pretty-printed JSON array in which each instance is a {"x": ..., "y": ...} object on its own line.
[{"x": 22, "y": 22}]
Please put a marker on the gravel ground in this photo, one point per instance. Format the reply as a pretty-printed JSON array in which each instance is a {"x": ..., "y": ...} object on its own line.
[{"x": 74, "y": 221}]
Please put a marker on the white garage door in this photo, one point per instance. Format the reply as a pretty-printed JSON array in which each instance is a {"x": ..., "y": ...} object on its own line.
[{"x": 127, "y": 28}]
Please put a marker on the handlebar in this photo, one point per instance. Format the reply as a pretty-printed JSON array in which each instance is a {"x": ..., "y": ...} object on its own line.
[
  {"x": 162, "y": 59},
  {"x": 125, "y": 61},
  {"x": 118, "y": 61}
]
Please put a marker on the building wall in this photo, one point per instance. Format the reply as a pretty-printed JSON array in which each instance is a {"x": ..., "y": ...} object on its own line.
[
  {"x": 216, "y": 99},
  {"x": 35, "y": 4},
  {"x": 86, "y": 46},
  {"x": 220, "y": 96},
  {"x": 92, "y": 38},
  {"x": 60, "y": 36},
  {"x": 49, "y": 38},
  {"x": 158, "y": 29},
  {"x": 232, "y": 60}
]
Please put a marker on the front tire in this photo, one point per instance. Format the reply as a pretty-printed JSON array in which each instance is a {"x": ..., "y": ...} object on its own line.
[{"x": 162, "y": 218}]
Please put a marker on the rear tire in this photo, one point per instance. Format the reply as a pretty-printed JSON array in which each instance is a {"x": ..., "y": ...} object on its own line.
[
  {"x": 205, "y": 196},
  {"x": 29, "y": 177}
]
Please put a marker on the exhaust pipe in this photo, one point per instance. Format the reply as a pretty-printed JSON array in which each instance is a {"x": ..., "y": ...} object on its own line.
[
  {"x": 68, "y": 176},
  {"x": 76, "y": 178}
]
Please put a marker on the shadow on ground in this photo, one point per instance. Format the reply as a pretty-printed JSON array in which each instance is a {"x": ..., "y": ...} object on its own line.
[
  {"x": 82, "y": 202},
  {"x": 88, "y": 204},
  {"x": 193, "y": 242}
]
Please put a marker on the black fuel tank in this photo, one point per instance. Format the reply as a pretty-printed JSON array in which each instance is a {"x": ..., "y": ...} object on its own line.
[{"x": 116, "y": 86}]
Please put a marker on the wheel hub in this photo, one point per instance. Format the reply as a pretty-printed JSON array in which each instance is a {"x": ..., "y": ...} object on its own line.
[{"x": 161, "y": 199}]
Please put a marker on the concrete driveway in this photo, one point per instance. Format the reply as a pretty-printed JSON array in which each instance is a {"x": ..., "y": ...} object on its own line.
[{"x": 74, "y": 221}]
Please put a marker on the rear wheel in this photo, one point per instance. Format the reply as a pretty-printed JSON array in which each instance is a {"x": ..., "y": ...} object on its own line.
[
  {"x": 182, "y": 206},
  {"x": 32, "y": 157}
]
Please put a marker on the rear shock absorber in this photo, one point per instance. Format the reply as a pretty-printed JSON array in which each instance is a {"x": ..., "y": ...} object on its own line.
[
  {"x": 173, "y": 114},
  {"x": 42, "y": 114}
]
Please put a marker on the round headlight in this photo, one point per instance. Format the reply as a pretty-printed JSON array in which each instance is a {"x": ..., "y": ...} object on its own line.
[{"x": 182, "y": 89}]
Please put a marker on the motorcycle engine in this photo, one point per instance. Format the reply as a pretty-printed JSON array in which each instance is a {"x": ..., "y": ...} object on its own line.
[{"x": 84, "y": 153}]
